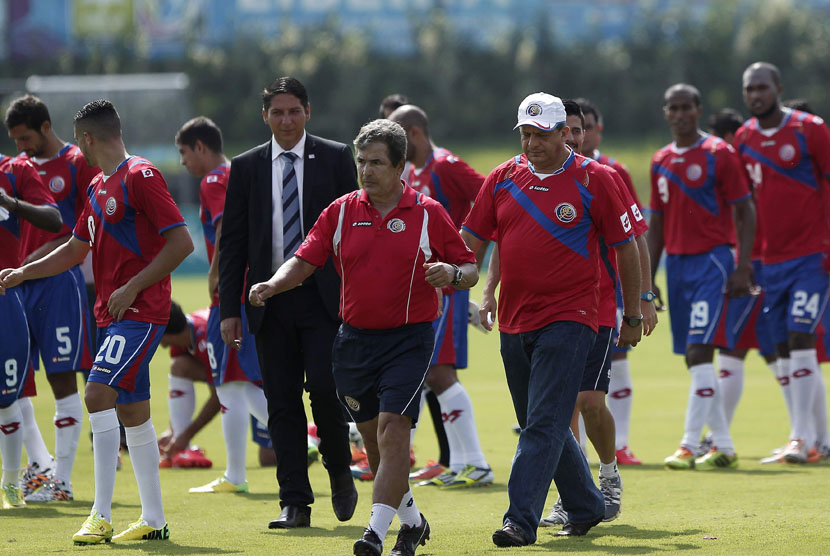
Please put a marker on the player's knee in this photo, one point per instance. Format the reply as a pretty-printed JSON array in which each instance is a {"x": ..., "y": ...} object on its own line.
[
  {"x": 63, "y": 384},
  {"x": 590, "y": 406},
  {"x": 441, "y": 377},
  {"x": 801, "y": 340},
  {"x": 699, "y": 354}
]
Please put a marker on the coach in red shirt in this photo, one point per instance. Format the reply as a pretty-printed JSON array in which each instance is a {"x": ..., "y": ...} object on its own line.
[
  {"x": 392, "y": 248},
  {"x": 547, "y": 213}
]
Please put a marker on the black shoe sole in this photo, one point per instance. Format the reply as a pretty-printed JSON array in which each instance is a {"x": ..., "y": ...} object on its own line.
[
  {"x": 504, "y": 540},
  {"x": 362, "y": 548}
]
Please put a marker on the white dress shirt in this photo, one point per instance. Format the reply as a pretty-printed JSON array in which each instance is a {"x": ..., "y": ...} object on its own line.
[{"x": 277, "y": 162}]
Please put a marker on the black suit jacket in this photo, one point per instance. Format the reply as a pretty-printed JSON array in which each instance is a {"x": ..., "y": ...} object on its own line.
[{"x": 328, "y": 173}]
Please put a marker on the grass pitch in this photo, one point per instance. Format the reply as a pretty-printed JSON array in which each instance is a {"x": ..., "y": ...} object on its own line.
[{"x": 751, "y": 510}]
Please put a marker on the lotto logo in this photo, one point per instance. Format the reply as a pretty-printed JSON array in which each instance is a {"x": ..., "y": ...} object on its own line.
[
  {"x": 452, "y": 415},
  {"x": 620, "y": 394},
  {"x": 626, "y": 222},
  {"x": 147, "y": 173},
  {"x": 65, "y": 422},
  {"x": 705, "y": 392},
  {"x": 725, "y": 374},
  {"x": 802, "y": 373},
  {"x": 173, "y": 394},
  {"x": 10, "y": 428}
]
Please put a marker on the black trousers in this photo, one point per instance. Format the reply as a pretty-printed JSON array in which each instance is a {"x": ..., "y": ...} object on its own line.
[{"x": 294, "y": 351}]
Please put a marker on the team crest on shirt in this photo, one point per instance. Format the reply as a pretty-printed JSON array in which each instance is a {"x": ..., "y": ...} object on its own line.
[
  {"x": 396, "y": 225},
  {"x": 534, "y": 110},
  {"x": 786, "y": 152},
  {"x": 565, "y": 212},
  {"x": 694, "y": 171},
  {"x": 353, "y": 404},
  {"x": 57, "y": 184},
  {"x": 111, "y": 206}
]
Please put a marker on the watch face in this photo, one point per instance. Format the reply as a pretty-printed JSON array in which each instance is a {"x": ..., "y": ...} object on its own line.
[
  {"x": 634, "y": 321},
  {"x": 648, "y": 296}
]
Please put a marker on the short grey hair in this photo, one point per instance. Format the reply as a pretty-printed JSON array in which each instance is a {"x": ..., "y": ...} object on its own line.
[{"x": 387, "y": 132}]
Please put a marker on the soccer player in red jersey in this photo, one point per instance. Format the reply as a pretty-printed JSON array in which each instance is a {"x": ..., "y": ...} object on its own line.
[
  {"x": 547, "y": 211},
  {"x": 55, "y": 306},
  {"x": 696, "y": 181},
  {"x": 392, "y": 248},
  {"x": 440, "y": 174},
  {"x": 786, "y": 154},
  {"x": 23, "y": 197},
  {"x": 137, "y": 236},
  {"x": 236, "y": 372}
]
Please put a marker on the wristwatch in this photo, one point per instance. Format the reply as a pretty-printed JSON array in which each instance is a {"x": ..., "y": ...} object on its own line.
[
  {"x": 458, "y": 275},
  {"x": 633, "y": 322},
  {"x": 648, "y": 296}
]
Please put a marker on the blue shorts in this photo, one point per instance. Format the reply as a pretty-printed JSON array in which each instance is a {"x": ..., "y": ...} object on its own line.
[
  {"x": 57, "y": 310},
  {"x": 260, "y": 434},
  {"x": 747, "y": 322},
  {"x": 123, "y": 359},
  {"x": 14, "y": 347},
  {"x": 618, "y": 294},
  {"x": 697, "y": 302},
  {"x": 597, "y": 372},
  {"x": 796, "y": 294},
  {"x": 381, "y": 370},
  {"x": 227, "y": 364},
  {"x": 452, "y": 324}
]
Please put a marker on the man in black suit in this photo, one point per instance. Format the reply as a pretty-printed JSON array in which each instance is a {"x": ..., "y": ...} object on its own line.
[{"x": 275, "y": 193}]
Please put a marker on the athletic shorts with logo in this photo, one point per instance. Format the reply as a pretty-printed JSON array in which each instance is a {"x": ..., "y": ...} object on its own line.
[
  {"x": 597, "y": 372},
  {"x": 14, "y": 346},
  {"x": 796, "y": 295},
  {"x": 226, "y": 364},
  {"x": 451, "y": 330}
]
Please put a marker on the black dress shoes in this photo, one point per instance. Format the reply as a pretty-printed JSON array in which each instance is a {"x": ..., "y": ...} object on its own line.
[
  {"x": 577, "y": 529},
  {"x": 343, "y": 495},
  {"x": 509, "y": 535},
  {"x": 291, "y": 517}
]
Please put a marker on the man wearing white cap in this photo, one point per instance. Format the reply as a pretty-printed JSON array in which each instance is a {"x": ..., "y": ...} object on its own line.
[{"x": 547, "y": 212}]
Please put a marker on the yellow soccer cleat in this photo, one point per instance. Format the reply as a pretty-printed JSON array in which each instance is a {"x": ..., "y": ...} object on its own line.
[
  {"x": 681, "y": 459},
  {"x": 715, "y": 459},
  {"x": 12, "y": 497},
  {"x": 141, "y": 531},
  {"x": 221, "y": 485},
  {"x": 95, "y": 529},
  {"x": 471, "y": 476}
]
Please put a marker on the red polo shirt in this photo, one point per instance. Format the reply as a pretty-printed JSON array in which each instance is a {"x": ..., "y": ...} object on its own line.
[{"x": 380, "y": 260}]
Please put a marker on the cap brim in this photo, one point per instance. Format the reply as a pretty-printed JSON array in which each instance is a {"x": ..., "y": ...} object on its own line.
[{"x": 538, "y": 125}]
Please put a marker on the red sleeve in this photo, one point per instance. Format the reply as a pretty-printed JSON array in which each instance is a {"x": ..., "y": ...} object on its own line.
[
  {"x": 639, "y": 225},
  {"x": 148, "y": 192},
  {"x": 449, "y": 247},
  {"x": 81, "y": 230},
  {"x": 819, "y": 145},
  {"x": 464, "y": 181},
  {"x": 730, "y": 175},
  {"x": 629, "y": 183},
  {"x": 318, "y": 245},
  {"x": 656, "y": 202},
  {"x": 212, "y": 195},
  {"x": 30, "y": 187},
  {"x": 481, "y": 221},
  {"x": 609, "y": 213}
]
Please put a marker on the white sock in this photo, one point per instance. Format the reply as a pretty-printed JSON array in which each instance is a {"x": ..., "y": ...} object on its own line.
[
  {"x": 408, "y": 511},
  {"x": 804, "y": 372},
  {"x": 106, "y": 440},
  {"x": 11, "y": 443},
  {"x": 144, "y": 455},
  {"x": 620, "y": 398},
  {"x": 781, "y": 370},
  {"x": 820, "y": 413},
  {"x": 234, "y": 419},
  {"x": 256, "y": 401},
  {"x": 719, "y": 426},
  {"x": 181, "y": 403},
  {"x": 730, "y": 383},
  {"x": 36, "y": 450},
  {"x": 701, "y": 396},
  {"x": 380, "y": 519},
  {"x": 608, "y": 469},
  {"x": 414, "y": 429},
  {"x": 458, "y": 407},
  {"x": 69, "y": 412}
]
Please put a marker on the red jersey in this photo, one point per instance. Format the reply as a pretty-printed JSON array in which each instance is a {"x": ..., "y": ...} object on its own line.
[
  {"x": 622, "y": 171},
  {"x": 197, "y": 322},
  {"x": 449, "y": 180},
  {"x": 67, "y": 176},
  {"x": 789, "y": 167},
  {"x": 123, "y": 222},
  {"x": 211, "y": 207},
  {"x": 694, "y": 187},
  {"x": 380, "y": 260},
  {"x": 18, "y": 178},
  {"x": 548, "y": 234}
]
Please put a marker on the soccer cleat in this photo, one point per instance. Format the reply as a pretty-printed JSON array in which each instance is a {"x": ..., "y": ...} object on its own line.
[
  {"x": 816, "y": 454},
  {"x": 35, "y": 477},
  {"x": 95, "y": 529},
  {"x": 141, "y": 531},
  {"x": 705, "y": 446},
  {"x": 221, "y": 485},
  {"x": 12, "y": 497},
  {"x": 627, "y": 457},
  {"x": 472, "y": 476},
  {"x": 409, "y": 538},
  {"x": 362, "y": 471},
  {"x": 611, "y": 488},
  {"x": 165, "y": 462},
  {"x": 433, "y": 469},
  {"x": 411, "y": 457},
  {"x": 368, "y": 545},
  {"x": 55, "y": 491},
  {"x": 358, "y": 454},
  {"x": 192, "y": 457},
  {"x": 795, "y": 452},
  {"x": 775, "y": 458},
  {"x": 557, "y": 516},
  {"x": 681, "y": 459},
  {"x": 439, "y": 481},
  {"x": 716, "y": 459}
]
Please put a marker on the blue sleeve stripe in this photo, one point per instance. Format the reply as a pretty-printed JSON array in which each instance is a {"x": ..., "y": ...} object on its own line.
[
  {"x": 80, "y": 238},
  {"x": 472, "y": 232},
  {"x": 176, "y": 225},
  {"x": 215, "y": 218},
  {"x": 747, "y": 196},
  {"x": 629, "y": 238}
]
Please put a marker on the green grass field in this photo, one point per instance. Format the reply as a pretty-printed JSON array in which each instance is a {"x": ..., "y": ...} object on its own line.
[{"x": 750, "y": 510}]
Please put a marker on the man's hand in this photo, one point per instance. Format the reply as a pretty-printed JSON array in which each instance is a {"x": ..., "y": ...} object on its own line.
[
  {"x": 231, "y": 329},
  {"x": 649, "y": 317},
  {"x": 6, "y": 201},
  {"x": 629, "y": 335},
  {"x": 177, "y": 444},
  {"x": 120, "y": 301},
  {"x": 439, "y": 274},
  {"x": 487, "y": 310},
  {"x": 260, "y": 292},
  {"x": 658, "y": 301},
  {"x": 9, "y": 278},
  {"x": 740, "y": 282}
]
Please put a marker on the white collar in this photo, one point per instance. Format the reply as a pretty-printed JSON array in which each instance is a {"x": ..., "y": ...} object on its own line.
[{"x": 298, "y": 149}]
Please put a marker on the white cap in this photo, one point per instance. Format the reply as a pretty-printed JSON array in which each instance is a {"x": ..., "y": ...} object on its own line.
[{"x": 542, "y": 111}]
